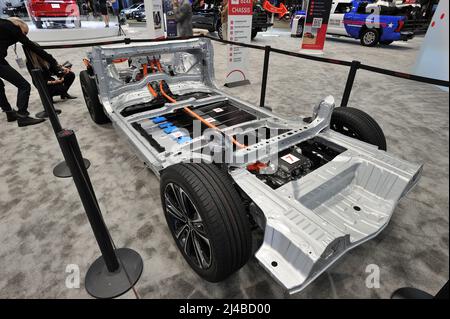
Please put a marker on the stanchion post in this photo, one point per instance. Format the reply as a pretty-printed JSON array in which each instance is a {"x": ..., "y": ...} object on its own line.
[
  {"x": 46, "y": 100},
  {"x": 61, "y": 170},
  {"x": 350, "y": 81},
  {"x": 116, "y": 271},
  {"x": 72, "y": 155},
  {"x": 262, "y": 99}
]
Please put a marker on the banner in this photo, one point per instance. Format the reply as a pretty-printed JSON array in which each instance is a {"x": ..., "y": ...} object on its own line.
[
  {"x": 239, "y": 28},
  {"x": 316, "y": 24},
  {"x": 169, "y": 19},
  {"x": 154, "y": 16}
]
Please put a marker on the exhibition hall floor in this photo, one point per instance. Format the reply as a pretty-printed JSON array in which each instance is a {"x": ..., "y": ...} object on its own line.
[{"x": 43, "y": 227}]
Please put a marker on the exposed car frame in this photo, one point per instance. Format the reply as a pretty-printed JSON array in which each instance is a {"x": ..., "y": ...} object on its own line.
[{"x": 312, "y": 211}]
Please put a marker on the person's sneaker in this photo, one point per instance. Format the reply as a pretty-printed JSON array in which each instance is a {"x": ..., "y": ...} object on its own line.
[
  {"x": 11, "y": 116},
  {"x": 26, "y": 121},
  {"x": 67, "y": 96}
]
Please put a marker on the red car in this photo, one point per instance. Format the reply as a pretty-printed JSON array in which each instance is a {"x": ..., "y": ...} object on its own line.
[{"x": 54, "y": 12}]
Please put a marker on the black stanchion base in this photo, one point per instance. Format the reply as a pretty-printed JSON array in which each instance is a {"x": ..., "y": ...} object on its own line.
[
  {"x": 62, "y": 170},
  {"x": 44, "y": 115},
  {"x": 100, "y": 283}
]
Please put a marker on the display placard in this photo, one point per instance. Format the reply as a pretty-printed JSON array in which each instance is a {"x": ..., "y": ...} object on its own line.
[
  {"x": 169, "y": 19},
  {"x": 316, "y": 24},
  {"x": 154, "y": 15},
  {"x": 240, "y": 13}
]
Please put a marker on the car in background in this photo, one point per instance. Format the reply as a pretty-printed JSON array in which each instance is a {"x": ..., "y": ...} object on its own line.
[
  {"x": 140, "y": 15},
  {"x": 360, "y": 20},
  {"x": 207, "y": 16},
  {"x": 17, "y": 9},
  {"x": 54, "y": 13},
  {"x": 128, "y": 12}
]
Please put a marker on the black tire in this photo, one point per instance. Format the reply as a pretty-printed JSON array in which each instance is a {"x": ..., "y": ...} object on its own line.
[
  {"x": 254, "y": 34},
  {"x": 219, "y": 30},
  {"x": 211, "y": 199},
  {"x": 358, "y": 124},
  {"x": 300, "y": 29},
  {"x": 90, "y": 93},
  {"x": 386, "y": 42},
  {"x": 370, "y": 37}
]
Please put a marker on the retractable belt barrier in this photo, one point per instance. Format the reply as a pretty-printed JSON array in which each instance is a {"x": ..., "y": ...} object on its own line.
[{"x": 354, "y": 65}]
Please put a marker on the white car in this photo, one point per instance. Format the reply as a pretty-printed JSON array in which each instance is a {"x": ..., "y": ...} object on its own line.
[{"x": 128, "y": 12}]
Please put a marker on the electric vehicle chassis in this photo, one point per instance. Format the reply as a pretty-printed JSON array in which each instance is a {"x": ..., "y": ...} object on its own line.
[{"x": 317, "y": 186}]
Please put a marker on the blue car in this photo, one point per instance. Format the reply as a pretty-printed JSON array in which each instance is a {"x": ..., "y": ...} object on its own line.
[{"x": 367, "y": 21}]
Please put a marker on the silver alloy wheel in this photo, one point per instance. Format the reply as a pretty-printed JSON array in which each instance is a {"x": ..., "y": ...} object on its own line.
[
  {"x": 187, "y": 226},
  {"x": 369, "y": 37}
]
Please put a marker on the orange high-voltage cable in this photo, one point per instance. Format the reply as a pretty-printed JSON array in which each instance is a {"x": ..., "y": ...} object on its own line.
[
  {"x": 251, "y": 167},
  {"x": 186, "y": 109},
  {"x": 145, "y": 71},
  {"x": 158, "y": 65},
  {"x": 195, "y": 115}
]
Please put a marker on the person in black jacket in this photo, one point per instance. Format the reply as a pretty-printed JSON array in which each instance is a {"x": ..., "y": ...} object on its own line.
[
  {"x": 61, "y": 84},
  {"x": 14, "y": 30},
  {"x": 57, "y": 84}
]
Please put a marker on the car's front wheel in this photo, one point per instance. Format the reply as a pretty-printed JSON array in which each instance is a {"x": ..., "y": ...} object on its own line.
[
  {"x": 90, "y": 94},
  {"x": 206, "y": 218}
]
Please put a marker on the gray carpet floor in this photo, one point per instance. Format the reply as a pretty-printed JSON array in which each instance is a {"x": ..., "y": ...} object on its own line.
[{"x": 43, "y": 227}]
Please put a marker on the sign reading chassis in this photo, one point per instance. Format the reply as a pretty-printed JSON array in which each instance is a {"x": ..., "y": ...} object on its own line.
[
  {"x": 240, "y": 14},
  {"x": 308, "y": 222}
]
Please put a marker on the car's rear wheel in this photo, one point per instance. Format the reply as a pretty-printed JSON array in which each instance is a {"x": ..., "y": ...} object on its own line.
[
  {"x": 38, "y": 24},
  {"x": 90, "y": 94},
  {"x": 254, "y": 34},
  {"x": 370, "y": 37},
  {"x": 206, "y": 218},
  {"x": 358, "y": 124}
]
